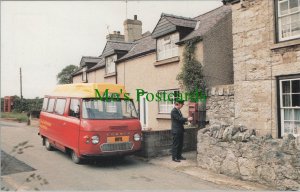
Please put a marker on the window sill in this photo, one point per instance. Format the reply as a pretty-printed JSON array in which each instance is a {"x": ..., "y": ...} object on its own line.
[
  {"x": 285, "y": 44},
  {"x": 163, "y": 116},
  {"x": 110, "y": 75},
  {"x": 166, "y": 61}
]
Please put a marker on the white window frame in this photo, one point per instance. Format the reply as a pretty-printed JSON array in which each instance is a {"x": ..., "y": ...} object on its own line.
[
  {"x": 165, "y": 107},
  {"x": 166, "y": 47},
  {"x": 287, "y": 16},
  {"x": 110, "y": 65},
  {"x": 283, "y": 108}
]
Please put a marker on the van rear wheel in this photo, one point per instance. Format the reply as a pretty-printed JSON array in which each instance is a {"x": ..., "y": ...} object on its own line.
[
  {"x": 48, "y": 144},
  {"x": 75, "y": 158}
]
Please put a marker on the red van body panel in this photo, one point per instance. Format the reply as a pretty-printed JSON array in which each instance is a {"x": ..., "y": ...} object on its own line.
[
  {"x": 108, "y": 129},
  {"x": 64, "y": 131}
]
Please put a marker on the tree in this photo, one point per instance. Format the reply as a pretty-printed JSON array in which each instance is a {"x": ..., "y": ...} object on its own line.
[{"x": 65, "y": 76}]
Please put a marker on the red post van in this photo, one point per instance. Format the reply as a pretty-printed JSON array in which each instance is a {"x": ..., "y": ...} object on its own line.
[{"x": 76, "y": 121}]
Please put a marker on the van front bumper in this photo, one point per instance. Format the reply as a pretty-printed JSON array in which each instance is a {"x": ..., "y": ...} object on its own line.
[{"x": 109, "y": 154}]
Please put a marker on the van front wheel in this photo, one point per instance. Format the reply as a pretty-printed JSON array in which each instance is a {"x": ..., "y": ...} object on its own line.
[
  {"x": 75, "y": 158},
  {"x": 48, "y": 144}
]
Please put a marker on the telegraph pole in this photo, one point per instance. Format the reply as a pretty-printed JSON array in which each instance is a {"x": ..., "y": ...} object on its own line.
[
  {"x": 126, "y": 9},
  {"x": 21, "y": 83}
]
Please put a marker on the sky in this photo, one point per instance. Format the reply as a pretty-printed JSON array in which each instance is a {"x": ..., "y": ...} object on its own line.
[{"x": 43, "y": 37}]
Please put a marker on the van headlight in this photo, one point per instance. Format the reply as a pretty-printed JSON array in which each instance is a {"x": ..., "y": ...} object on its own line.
[
  {"x": 95, "y": 139},
  {"x": 137, "y": 137}
]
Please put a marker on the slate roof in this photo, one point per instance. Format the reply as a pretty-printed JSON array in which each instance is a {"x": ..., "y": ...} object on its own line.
[
  {"x": 79, "y": 71},
  {"x": 141, "y": 46},
  {"x": 171, "y": 23},
  {"x": 99, "y": 65},
  {"x": 207, "y": 21},
  {"x": 147, "y": 43},
  {"x": 112, "y": 46},
  {"x": 89, "y": 59},
  {"x": 180, "y": 21}
]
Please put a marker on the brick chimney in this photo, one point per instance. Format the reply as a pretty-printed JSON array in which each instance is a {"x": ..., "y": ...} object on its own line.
[
  {"x": 132, "y": 29},
  {"x": 115, "y": 36}
]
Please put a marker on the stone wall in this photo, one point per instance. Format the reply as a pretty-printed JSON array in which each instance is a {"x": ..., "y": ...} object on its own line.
[
  {"x": 220, "y": 105},
  {"x": 159, "y": 143},
  {"x": 237, "y": 152},
  {"x": 257, "y": 60}
]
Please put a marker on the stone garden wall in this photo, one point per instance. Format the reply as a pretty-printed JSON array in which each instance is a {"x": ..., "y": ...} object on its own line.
[
  {"x": 238, "y": 152},
  {"x": 220, "y": 105}
]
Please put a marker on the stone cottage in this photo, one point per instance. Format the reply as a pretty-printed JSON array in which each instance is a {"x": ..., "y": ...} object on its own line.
[
  {"x": 151, "y": 61},
  {"x": 266, "y": 62}
]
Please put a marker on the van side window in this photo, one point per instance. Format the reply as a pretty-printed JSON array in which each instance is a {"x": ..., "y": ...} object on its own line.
[
  {"x": 60, "y": 106},
  {"x": 45, "y": 104},
  {"x": 74, "y": 108},
  {"x": 51, "y": 105}
]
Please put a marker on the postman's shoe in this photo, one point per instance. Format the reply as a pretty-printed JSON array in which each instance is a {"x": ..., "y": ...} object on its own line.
[
  {"x": 182, "y": 158},
  {"x": 175, "y": 159}
]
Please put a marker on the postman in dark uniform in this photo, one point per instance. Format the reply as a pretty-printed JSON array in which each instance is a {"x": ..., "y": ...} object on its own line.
[{"x": 177, "y": 131}]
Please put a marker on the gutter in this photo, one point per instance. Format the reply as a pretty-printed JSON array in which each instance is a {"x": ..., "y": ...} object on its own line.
[
  {"x": 137, "y": 55},
  {"x": 230, "y": 1},
  {"x": 184, "y": 41}
]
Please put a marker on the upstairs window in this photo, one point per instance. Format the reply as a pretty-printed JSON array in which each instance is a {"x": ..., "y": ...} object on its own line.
[
  {"x": 288, "y": 19},
  {"x": 166, "y": 47},
  {"x": 110, "y": 65}
]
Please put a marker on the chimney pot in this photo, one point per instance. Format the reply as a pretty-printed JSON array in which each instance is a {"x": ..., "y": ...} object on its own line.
[{"x": 135, "y": 17}]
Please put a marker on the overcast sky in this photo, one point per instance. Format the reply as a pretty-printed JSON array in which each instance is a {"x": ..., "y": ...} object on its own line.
[{"x": 44, "y": 37}]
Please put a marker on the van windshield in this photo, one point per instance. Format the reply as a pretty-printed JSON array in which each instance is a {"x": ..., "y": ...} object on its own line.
[{"x": 101, "y": 109}]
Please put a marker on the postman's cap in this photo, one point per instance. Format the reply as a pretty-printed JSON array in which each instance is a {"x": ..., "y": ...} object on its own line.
[{"x": 179, "y": 101}]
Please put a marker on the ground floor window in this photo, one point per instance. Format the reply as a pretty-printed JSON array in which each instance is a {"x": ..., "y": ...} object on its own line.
[
  {"x": 168, "y": 105},
  {"x": 290, "y": 106}
]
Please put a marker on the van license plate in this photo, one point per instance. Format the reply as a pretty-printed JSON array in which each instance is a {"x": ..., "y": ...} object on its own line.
[{"x": 117, "y": 139}]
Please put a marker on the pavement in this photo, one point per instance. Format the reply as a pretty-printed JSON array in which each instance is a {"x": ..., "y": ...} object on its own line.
[
  {"x": 53, "y": 170},
  {"x": 190, "y": 167}
]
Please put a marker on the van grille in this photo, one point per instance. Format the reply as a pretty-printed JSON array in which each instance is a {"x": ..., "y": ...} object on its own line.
[{"x": 109, "y": 147}]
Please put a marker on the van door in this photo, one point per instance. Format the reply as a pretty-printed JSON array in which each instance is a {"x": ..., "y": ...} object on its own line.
[
  {"x": 143, "y": 106},
  {"x": 72, "y": 123}
]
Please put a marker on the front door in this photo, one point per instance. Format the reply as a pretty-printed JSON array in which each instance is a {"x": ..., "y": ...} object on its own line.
[{"x": 143, "y": 112}]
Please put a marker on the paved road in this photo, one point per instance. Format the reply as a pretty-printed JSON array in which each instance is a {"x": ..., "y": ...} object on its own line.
[{"x": 53, "y": 170}]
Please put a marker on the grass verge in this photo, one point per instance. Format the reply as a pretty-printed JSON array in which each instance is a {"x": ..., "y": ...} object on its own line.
[{"x": 21, "y": 117}]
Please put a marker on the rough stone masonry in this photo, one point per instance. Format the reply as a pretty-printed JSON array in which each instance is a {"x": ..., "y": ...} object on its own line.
[{"x": 238, "y": 152}]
